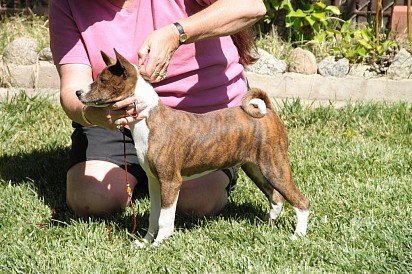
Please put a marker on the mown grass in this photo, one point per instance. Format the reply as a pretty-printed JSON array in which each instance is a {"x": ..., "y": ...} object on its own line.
[{"x": 354, "y": 164}]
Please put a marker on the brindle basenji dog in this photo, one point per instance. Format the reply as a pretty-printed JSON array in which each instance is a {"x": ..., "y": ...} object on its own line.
[{"x": 174, "y": 145}]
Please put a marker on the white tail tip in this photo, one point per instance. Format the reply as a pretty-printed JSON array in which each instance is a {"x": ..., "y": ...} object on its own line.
[{"x": 258, "y": 103}]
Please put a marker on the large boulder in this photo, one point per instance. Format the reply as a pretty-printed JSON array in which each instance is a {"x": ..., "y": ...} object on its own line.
[
  {"x": 46, "y": 55},
  {"x": 47, "y": 76},
  {"x": 302, "y": 61},
  {"x": 332, "y": 67},
  {"x": 22, "y": 51},
  {"x": 267, "y": 64},
  {"x": 401, "y": 67},
  {"x": 362, "y": 70}
]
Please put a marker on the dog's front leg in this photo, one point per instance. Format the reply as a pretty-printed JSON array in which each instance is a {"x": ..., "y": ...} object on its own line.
[
  {"x": 155, "y": 205},
  {"x": 170, "y": 183},
  {"x": 166, "y": 222},
  {"x": 155, "y": 202}
]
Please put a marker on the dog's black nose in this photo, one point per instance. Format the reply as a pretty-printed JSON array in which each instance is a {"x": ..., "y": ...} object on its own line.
[{"x": 79, "y": 92}]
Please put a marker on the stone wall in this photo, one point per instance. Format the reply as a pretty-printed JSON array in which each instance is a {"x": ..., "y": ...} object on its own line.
[
  {"x": 329, "y": 80},
  {"x": 22, "y": 66}
]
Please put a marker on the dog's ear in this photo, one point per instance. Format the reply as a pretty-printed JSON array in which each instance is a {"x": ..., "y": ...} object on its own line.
[
  {"x": 107, "y": 59},
  {"x": 125, "y": 64}
]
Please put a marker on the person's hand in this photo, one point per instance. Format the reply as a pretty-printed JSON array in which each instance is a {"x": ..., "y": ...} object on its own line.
[
  {"x": 119, "y": 114},
  {"x": 155, "y": 54}
]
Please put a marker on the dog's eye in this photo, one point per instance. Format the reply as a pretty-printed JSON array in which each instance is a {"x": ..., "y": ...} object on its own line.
[
  {"x": 103, "y": 76},
  {"x": 104, "y": 79}
]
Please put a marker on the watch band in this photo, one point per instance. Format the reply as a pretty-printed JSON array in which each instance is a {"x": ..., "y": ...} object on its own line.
[{"x": 182, "y": 33}]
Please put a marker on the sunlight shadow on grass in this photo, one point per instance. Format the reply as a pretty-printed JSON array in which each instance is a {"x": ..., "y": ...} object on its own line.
[{"x": 44, "y": 169}]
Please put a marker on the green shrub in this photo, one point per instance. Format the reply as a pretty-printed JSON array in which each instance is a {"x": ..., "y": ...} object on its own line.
[
  {"x": 304, "y": 19},
  {"x": 359, "y": 44}
]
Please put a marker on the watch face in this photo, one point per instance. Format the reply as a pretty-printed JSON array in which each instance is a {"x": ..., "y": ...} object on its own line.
[{"x": 183, "y": 37}]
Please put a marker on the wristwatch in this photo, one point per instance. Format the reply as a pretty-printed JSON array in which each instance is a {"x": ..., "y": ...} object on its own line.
[{"x": 182, "y": 33}]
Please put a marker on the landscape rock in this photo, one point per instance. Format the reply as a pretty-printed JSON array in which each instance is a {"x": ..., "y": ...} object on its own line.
[
  {"x": 21, "y": 51},
  {"x": 330, "y": 89},
  {"x": 267, "y": 64},
  {"x": 3, "y": 75},
  {"x": 2, "y": 68},
  {"x": 362, "y": 70},
  {"x": 47, "y": 76},
  {"x": 302, "y": 61},
  {"x": 46, "y": 55},
  {"x": 332, "y": 67},
  {"x": 21, "y": 75},
  {"x": 401, "y": 67}
]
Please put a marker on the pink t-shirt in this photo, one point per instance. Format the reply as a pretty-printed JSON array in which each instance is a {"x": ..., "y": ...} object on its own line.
[{"x": 202, "y": 76}]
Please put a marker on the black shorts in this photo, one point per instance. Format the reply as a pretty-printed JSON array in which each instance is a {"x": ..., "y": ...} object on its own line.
[{"x": 98, "y": 143}]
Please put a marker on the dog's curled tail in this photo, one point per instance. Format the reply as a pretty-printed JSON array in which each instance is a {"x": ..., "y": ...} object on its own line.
[{"x": 256, "y": 102}]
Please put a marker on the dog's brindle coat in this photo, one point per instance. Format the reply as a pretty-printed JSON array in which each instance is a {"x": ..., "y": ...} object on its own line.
[{"x": 173, "y": 145}]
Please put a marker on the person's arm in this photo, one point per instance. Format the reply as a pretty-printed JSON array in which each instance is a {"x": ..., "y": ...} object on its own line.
[
  {"x": 66, "y": 45},
  {"x": 77, "y": 76},
  {"x": 72, "y": 78},
  {"x": 223, "y": 17}
]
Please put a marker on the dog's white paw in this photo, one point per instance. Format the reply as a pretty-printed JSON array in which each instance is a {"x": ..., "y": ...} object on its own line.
[
  {"x": 145, "y": 244},
  {"x": 294, "y": 237},
  {"x": 297, "y": 236},
  {"x": 275, "y": 210},
  {"x": 302, "y": 224},
  {"x": 141, "y": 243},
  {"x": 156, "y": 243}
]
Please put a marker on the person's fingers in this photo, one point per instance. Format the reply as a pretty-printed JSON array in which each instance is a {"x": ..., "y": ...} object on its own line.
[
  {"x": 127, "y": 120},
  {"x": 135, "y": 109},
  {"x": 154, "y": 64},
  {"x": 123, "y": 103},
  {"x": 131, "y": 110},
  {"x": 109, "y": 117},
  {"x": 157, "y": 50},
  {"x": 142, "y": 54},
  {"x": 160, "y": 73},
  {"x": 129, "y": 114}
]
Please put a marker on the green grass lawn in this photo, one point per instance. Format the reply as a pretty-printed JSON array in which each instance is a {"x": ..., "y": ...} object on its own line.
[{"x": 353, "y": 163}]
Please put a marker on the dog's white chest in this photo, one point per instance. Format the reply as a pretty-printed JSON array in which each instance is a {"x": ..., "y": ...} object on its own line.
[
  {"x": 140, "y": 133},
  {"x": 144, "y": 93}
]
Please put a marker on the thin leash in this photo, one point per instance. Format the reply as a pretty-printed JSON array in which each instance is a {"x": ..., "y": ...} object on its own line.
[{"x": 128, "y": 188}]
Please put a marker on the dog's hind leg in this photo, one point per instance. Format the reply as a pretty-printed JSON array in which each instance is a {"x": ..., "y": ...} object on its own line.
[
  {"x": 276, "y": 200},
  {"x": 280, "y": 176}
]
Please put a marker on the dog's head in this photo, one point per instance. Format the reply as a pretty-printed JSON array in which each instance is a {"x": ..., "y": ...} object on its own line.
[{"x": 116, "y": 82}]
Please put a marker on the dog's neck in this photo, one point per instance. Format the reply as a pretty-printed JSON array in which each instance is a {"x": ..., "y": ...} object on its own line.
[{"x": 145, "y": 93}]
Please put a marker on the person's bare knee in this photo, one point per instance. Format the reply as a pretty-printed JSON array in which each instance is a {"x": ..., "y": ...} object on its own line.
[
  {"x": 97, "y": 188},
  {"x": 203, "y": 196}
]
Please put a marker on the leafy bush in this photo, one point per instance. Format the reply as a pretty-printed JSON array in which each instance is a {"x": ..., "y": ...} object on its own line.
[
  {"x": 359, "y": 44},
  {"x": 316, "y": 26},
  {"x": 304, "y": 19}
]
